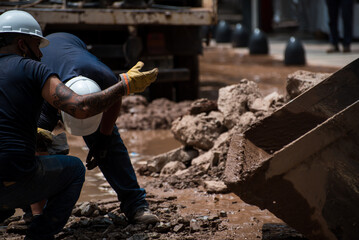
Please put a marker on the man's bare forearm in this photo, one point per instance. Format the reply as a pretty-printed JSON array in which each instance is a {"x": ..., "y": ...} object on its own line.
[{"x": 84, "y": 106}]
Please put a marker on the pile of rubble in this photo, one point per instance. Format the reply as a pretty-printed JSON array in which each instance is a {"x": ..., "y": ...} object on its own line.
[
  {"x": 205, "y": 133},
  {"x": 138, "y": 114}
]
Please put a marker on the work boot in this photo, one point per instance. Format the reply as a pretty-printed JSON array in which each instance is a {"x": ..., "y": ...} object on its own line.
[
  {"x": 333, "y": 49},
  {"x": 145, "y": 216}
]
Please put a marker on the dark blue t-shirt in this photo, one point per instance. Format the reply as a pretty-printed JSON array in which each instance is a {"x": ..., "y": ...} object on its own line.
[
  {"x": 67, "y": 55},
  {"x": 21, "y": 82}
]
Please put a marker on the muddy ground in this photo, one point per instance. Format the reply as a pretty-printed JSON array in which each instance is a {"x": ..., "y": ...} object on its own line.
[{"x": 186, "y": 209}]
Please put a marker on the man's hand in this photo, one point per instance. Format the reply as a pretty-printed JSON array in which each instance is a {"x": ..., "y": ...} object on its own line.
[
  {"x": 137, "y": 81},
  {"x": 98, "y": 150}
]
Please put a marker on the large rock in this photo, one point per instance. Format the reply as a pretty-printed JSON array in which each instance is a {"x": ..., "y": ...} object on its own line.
[
  {"x": 202, "y": 105},
  {"x": 215, "y": 187},
  {"x": 264, "y": 104},
  {"x": 233, "y": 100},
  {"x": 199, "y": 131},
  {"x": 300, "y": 81},
  {"x": 181, "y": 154},
  {"x": 206, "y": 158},
  {"x": 246, "y": 119},
  {"x": 172, "y": 167}
]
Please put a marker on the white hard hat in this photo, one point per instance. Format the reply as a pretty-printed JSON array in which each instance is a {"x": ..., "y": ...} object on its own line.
[
  {"x": 82, "y": 127},
  {"x": 16, "y": 21}
]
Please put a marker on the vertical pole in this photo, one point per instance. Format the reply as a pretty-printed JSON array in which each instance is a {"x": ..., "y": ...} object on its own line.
[{"x": 254, "y": 14}]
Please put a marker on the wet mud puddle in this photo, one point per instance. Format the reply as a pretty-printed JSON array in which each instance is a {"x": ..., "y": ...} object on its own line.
[{"x": 141, "y": 146}]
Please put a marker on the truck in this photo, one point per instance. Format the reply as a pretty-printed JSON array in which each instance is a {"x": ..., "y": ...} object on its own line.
[{"x": 161, "y": 33}]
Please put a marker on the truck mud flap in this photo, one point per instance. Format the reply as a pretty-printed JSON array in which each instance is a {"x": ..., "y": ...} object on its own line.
[{"x": 302, "y": 162}]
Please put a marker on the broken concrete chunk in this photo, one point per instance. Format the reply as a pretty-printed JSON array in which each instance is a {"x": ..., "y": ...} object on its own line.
[
  {"x": 264, "y": 104},
  {"x": 172, "y": 167},
  {"x": 181, "y": 154},
  {"x": 273, "y": 97},
  {"x": 205, "y": 158},
  {"x": 198, "y": 131},
  {"x": 246, "y": 119},
  {"x": 259, "y": 104},
  {"x": 203, "y": 105},
  {"x": 300, "y": 81},
  {"x": 233, "y": 100},
  {"x": 137, "y": 113},
  {"x": 215, "y": 187},
  {"x": 182, "y": 173}
]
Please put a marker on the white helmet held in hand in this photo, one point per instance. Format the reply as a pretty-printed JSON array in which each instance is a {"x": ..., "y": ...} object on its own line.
[
  {"x": 16, "y": 21},
  {"x": 82, "y": 127}
]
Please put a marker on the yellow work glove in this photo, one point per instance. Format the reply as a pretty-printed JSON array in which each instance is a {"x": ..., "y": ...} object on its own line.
[
  {"x": 44, "y": 134},
  {"x": 136, "y": 81},
  {"x": 43, "y": 140}
]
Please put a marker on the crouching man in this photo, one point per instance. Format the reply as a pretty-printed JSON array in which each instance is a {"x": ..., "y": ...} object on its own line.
[{"x": 24, "y": 85}]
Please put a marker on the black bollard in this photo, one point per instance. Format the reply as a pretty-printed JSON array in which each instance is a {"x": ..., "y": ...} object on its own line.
[
  {"x": 240, "y": 36},
  {"x": 258, "y": 43},
  {"x": 223, "y": 32},
  {"x": 294, "y": 53}
]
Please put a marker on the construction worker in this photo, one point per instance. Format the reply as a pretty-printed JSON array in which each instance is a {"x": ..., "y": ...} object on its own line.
[
  {"x": 24, "y": 84},
  {"x": 68, "y": 56}
]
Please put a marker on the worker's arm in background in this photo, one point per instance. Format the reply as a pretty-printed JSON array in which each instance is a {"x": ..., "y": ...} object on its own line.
[
  {"x": 83, "y": 106},
  {"x": 80, "y": 106}
]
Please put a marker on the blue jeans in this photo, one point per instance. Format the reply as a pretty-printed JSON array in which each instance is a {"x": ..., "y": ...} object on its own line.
[
  {"x": 119, "y": 173},
  {"x": 346, "y": 7},
  {"x": 117, "y": 168},
  {"x": 58, "y": 179}
]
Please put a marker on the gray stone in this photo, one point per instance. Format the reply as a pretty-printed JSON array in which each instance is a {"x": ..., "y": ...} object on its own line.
[
  {"x": 181, "y": 154},
  {"x": 215, "y": 187},
  {"x": 233, "y": 100},
  {"x": 202, "y": 105},
  {"x": 172, "y": 167},
  {"x": 199, "y": 131},
  {"x": 300, "y": 81}
]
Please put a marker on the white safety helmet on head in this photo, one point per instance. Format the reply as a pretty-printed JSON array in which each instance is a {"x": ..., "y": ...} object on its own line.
[
  {"x": 82, "y": 127},
  {"x": 16, "y": 21}
]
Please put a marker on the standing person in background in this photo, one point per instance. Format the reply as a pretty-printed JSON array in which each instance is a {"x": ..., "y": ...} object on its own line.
[
  {"x": 67, "y": 55},
  {"x": 346, "y": 7},
  {"x": 24, "y": 85}
]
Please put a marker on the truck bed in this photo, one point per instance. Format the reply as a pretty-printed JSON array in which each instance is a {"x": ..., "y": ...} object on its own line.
[{"x": 159, "y": 15}]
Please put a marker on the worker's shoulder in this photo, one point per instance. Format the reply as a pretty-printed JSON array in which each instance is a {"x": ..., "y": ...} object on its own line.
[{"x": 65, "y": 38}]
